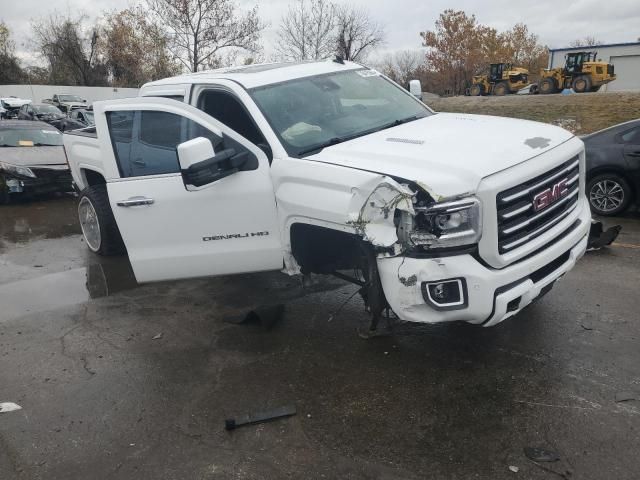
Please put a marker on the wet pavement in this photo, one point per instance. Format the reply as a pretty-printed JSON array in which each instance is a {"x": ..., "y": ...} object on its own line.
[{"x": 102, "y": 399}]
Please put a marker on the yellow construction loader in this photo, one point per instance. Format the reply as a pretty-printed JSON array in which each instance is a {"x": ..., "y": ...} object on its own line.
[
  {"x": 581, "y": 71},
  {"x": 503, "y": 79}
]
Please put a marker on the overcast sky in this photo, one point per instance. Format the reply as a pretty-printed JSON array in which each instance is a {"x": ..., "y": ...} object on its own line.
[{"x": 556, "y": 22}]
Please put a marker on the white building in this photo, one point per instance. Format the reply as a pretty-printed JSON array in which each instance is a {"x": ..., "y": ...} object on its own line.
[{"x": 625, "y": 57}]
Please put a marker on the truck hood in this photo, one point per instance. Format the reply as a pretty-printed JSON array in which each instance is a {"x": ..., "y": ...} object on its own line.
[
  {"x": 42, "y": 157},
  {"x": 447, "y": 154}
]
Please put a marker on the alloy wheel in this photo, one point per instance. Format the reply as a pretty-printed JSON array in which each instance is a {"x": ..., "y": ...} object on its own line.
[
  {"x": 606, "y": 195},
  {"x": 89, "y": 224}
]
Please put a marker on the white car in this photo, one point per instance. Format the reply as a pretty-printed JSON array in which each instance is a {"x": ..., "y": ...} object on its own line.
[
  {"x": 11, "y": 105},
  {"x": 330, "y": 167}
]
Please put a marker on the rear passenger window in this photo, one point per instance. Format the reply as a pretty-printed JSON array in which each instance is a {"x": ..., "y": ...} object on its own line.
[
  {"x": 631, "y": 136},
  {"x": 145, "y": 142}
]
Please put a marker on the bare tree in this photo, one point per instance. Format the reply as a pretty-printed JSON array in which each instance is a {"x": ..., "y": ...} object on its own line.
[
  {"x": 10, "y": 71},
  {"x": 401, "y": 66},
  {"x": 588, "y": 41},
  {"x": 201, "y": 31},
  {"x": 358, "y": 33},
  {"x": 307, "y": 31},
  {"x": 69, "y": 49}
]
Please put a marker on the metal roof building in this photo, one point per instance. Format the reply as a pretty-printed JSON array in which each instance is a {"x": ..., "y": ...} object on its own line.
[{"x": 625, "y": 58}]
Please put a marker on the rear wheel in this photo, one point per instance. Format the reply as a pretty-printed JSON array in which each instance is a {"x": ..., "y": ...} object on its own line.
[
  {"x": 581, "y": 84},
  {"x": 98, "y": 225},
  {"x": 547, "y": 85},
  {"x": 476, "y": 90},
  {"x": 501, "y": 89},
  {"x": 609, "y": 194}
]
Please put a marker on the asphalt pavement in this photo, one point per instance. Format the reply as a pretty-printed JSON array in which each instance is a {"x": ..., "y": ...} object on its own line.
[{"x": 124, "y": 381}]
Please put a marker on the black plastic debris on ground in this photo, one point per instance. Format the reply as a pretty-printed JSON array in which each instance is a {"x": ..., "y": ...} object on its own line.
[
  {"x": 626, "y": 396},
  {"x": 267, "y": 316},
  {"x": 598, "y": 237},
  {"x": 540, "y": 454},
  {"x": 260, "y": 417}
]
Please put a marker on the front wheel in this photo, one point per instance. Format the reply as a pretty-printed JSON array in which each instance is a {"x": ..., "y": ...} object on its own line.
[
  {"x": 98, "y": 225},
  {"x": 547, "y": 85},
  {"x": 609, "y": 194},
  {"x": 4, "y": 191}
]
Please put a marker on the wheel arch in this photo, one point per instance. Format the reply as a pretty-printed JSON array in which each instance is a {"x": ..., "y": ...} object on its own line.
[
  {"x": 91, "y": 177},
  {"x": 322, "y": 248}
]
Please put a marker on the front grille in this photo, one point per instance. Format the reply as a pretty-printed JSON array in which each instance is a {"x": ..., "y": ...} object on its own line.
[{"x": 531, "y": 208}]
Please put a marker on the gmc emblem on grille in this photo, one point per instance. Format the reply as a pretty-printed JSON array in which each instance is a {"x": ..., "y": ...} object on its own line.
[{"x": 550, "y": 195}]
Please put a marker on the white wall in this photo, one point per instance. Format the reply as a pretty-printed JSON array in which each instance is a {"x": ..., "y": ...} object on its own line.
[{"x": 37, "y": 93}]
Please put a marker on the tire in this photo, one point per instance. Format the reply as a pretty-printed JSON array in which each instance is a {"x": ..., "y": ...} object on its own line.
[
  {"x": 609, "y": 194},
  {"x": 4, "y": 191},
  {"x": 476, "y": 90},
  {"x": 501, "y": 89},
  {"x": 581, "y": 84},
  {"x": 547, "y": 85},
  {"x": 99, "y": 227}
]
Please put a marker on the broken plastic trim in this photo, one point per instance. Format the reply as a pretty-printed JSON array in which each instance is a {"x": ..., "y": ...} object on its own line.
[{"x": 374, "y": 220}]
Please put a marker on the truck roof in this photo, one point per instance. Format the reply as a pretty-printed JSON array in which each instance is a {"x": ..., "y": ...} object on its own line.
[{"x": 257, "y": 75}]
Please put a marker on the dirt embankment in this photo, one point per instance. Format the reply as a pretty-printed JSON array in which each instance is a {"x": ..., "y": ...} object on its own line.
[{"x": 580, "y": 113}]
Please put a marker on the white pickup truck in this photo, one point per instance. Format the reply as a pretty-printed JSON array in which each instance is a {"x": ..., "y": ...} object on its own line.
[{"x": 331, "y": 168}]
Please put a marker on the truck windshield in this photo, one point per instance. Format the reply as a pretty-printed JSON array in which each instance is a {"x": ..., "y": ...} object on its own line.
[
  {"x": 69, "y": 98},
  {"x": 311, "y": 113}
]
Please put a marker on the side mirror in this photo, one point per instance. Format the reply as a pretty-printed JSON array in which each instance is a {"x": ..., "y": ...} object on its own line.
[
  {"x": 201, "y": 165},
  {"x": 415, "y": 88}
]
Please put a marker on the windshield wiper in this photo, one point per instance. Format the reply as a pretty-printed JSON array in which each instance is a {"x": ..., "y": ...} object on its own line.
[
  {"x": 397, "y": 122},
  {"x": 336, "y": 140},
  {"x": 328, "y": 143}
]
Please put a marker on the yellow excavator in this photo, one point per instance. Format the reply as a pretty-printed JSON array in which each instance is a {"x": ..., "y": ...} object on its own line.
[
  {"x": 503, "y": 79},
  {"x": 581, "y": 72}
]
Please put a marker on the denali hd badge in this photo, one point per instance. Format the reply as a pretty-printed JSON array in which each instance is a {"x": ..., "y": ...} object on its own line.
[
  {"x": 550, "y": 195},
  {"x": 234, "y": 235}
]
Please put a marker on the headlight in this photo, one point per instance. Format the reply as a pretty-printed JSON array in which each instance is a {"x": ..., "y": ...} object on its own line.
[
  {"x": 17, "y": 170},
  {"x": 443, "y": 225}
]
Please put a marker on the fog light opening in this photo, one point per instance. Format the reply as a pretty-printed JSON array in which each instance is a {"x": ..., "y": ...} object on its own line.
[{"x": 449, "y": 294}]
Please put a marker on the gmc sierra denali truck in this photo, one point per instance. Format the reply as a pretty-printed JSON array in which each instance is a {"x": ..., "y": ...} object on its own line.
[{"x": 331, "y": 168}]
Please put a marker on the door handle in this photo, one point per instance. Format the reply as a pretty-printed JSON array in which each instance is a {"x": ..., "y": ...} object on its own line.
[
  {"x": 634, "y": 154},
  {"x": 135, "y": 202}
]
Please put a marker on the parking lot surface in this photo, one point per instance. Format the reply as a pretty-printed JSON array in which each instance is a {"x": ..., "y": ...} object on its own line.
[{"x": 118, "y": 380}]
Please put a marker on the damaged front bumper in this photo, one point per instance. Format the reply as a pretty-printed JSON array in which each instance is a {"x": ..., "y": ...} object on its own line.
[
  {"x": 487, "y": 295},
  {"x": 45, "y": 181}
]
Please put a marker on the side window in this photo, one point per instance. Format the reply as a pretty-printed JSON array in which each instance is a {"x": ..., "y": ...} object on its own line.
[
  {"x": 145, "y": 142},
  {"x": 631, "y": 136},
  {"x": 226, "y": 108}
]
